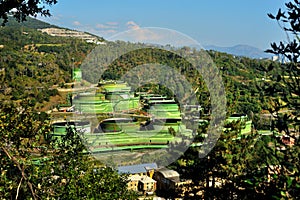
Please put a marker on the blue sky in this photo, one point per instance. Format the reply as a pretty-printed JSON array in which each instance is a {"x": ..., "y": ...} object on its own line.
[{"x": 210, "y": 22}]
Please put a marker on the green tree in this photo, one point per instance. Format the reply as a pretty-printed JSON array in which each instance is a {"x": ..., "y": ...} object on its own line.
[
  {"x": 263, "y": 167},
  {"x": 283, "y": 90},
  {"x": 287, "y": 74},
  {"x": 20, "y": 131},
  {"x": 33, "y": 168},
  {"x": 24, "y": 8}
]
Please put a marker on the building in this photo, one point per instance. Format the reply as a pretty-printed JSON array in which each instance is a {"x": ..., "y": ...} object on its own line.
[
  {"x": 133, "y": 183},
  {"x": 143, "y": 184},
  {"x": 140, "y": 177},
  {"x": 77, "y": 75},
  {"x": 139, "y": 169},
  {"x": 168, "y": 180},
  {"x": 244, "y": 121},
  {"x": 60, "y": 32},
  {"x": 147, "y": 185}
]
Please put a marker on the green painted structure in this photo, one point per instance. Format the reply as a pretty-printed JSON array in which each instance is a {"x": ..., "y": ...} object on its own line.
[
  {"x": 246, "y": 124},
  {"x": 77, "y": 75},
  {"x": 126, "y": 133},
  {"x": 113, "y": 97}
]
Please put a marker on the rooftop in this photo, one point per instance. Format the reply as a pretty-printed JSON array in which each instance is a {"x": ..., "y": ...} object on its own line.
[
  {"x": 135, "y": 169},
  {"x": 147, "y": 179},
  {"x": 169, "y": 173}
]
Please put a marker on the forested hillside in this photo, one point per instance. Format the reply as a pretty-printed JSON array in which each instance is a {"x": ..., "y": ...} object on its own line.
[
  {"x": 33, "y": 65},
  {"x": 242, "y": 76},
  {"x": 32, "y": 61}
]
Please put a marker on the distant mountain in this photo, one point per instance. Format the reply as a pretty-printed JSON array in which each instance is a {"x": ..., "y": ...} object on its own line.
[
  {"x": 240, "y": 50},
  {"x": 50, "y": 29},
  {"x": 29, "y": 23}
]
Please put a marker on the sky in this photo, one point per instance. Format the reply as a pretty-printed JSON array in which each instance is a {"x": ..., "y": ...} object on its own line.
[{"x": 210, "y": 22}]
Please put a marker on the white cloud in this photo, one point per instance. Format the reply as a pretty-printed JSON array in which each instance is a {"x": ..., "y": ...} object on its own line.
[
  {"x": 107, "y": 27},
  {"x": 104, "y": 26},
  {"x": 107, "y": 32},
  {"x": 112, "y": 23},
  {"x": 132, "y": 25},
  {"x": 154, "y": 35},
  {"x": 76, "y": 23},
  {"x": 101, "y": 32}
]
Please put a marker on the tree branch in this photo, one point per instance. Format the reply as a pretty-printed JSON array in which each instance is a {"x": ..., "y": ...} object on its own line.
[
  {"x": 18, "y": 189},
  {"x": 21, "y": 170}
]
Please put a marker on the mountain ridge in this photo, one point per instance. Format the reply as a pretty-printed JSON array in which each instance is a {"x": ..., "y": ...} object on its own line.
[
  {"x": 240, "y": 50},
  {"x": 29, "y": 23}
]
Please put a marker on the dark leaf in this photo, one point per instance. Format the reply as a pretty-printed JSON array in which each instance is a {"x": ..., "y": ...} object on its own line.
[
  {"x": 279, "y": 14},
  {"x": 278, "y": 78},
  {"x": 271, "y": 16},
  {"x": 274, "y": 46},
  {"x": 270, "y": 51},
  {"x": 270, "y": 67}
]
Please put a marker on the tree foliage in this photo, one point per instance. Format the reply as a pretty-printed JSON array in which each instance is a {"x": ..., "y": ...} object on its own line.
[
  {"x": 34, "y": 168},
  {"x": 24, "y": 8},
  {"x": 32, "y": 62},
  {"x": 285, "y": 80},
  {"x": 288, "y": 72},
  {"x": 257, "y": 166}
]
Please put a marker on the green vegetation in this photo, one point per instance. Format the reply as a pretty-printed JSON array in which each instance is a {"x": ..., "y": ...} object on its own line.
[
  {"x": 243, "y": 164},
  {"x": 23, "y": 9},
  {"x": 262, "y": 165},
  {"x": 32, "y": 62},
  {"x": 34, "y": 168}
]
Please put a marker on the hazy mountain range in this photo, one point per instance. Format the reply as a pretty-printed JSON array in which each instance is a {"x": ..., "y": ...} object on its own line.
[{"x": 240, "y": 50}]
